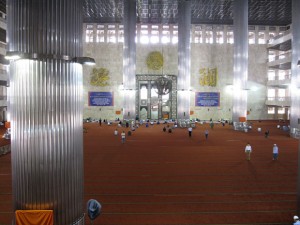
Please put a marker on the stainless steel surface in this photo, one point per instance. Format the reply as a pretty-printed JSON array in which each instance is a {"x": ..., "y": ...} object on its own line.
[
  {"x": 240, "y": 59},
  {"x": 295, "y": 84},
  {"x": 46, "y": 107},
  {"x": 184, "y": 61},
  {"x": 129, "y": 60},
  {"x": 295, "y": 78},
  {"x": 44, "y": 27}
]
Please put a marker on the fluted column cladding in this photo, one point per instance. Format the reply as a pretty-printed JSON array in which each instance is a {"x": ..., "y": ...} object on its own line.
[
  {"x": 45, "y": 27},
  {"x": 129, "y": 59},
  {"x": 295, "y": 78},
  {"x": 240, "y": 59},
  {"x": 46, "y": 107},
  {"x": 184, "y": 59}
]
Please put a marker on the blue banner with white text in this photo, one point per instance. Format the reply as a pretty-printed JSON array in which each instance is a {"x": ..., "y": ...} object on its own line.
[
  {"x": 101, "y": 99},
  {"x": 207, "y": 99}
]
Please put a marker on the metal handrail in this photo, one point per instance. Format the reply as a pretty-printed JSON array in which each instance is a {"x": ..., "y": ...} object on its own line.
[
  {"x": 286, "y": 54},
  {"x": 280, "y": 99},
  {"x": 286, "y": 77},
  {"x": 279, "y": 36}
]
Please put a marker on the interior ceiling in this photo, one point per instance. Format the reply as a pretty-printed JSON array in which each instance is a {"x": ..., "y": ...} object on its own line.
[
  {"x": 261, "y": 12},
  {"x": 3, "y": 6}
]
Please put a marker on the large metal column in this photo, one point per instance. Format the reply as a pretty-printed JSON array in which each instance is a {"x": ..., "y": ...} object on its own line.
[
  {"x": 46, "y": 107},
  {"x": 184, "y": 61},
  {"x": 295, "y": 84},
  {"x": 129, "y": 59},
  {"x": 240, "y": 59},
  {"x": 295, "y": 78}
]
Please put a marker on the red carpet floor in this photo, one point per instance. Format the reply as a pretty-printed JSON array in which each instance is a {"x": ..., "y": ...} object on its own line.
[{"x": 159, "y": 178}]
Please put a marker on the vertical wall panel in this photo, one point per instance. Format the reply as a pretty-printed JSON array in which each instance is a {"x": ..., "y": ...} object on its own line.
[
  {"x": 240, "y": 59},
  {"x": 46, "y": 107},
  {"x": 129, "y": 59},
  {"x": 295, "y": 79},
  {"x": 184, "y": 61}
]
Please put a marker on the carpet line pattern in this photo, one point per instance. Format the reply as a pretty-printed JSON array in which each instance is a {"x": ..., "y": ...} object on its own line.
[
  {"x": 156, "y": 178},
  {"x": 193, "y": 213}
]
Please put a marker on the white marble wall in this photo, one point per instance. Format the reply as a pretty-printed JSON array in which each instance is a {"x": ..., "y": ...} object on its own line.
[
  {"x": 212, "y": 56},
  {"x": 218, "y": 56},
  {"x": 257, "y": 80},
  {"x": 109, "y": 56},
  {"x": 170, "y": 54}
]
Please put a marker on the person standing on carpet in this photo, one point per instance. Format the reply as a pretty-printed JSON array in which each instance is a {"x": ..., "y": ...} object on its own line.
[
  {"x": 267, "y": 133},
  {"x": 190, "y": 129},
  {"x": 275, "y": 152},
  {"x": 248, "y": 150},
  {"x": 116, "y": 132},
  {"x": 123, "y": 136},
  {"x": 206, "y": 134}
]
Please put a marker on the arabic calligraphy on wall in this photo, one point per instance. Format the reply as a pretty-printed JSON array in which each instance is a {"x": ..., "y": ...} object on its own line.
[
  {"x": 208, "y": 77},
  {"x": 100, "y": 77}
]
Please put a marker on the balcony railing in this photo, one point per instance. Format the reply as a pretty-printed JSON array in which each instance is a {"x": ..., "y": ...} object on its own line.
[
  {"x": 2, "y": 45},
  {"x": 278, "y": 98},
  {"x": 279, "y": 36},
  {"x": 281, "y": 80},
  {"x": 280, "y": 77},
  {"x": 281, "y": 56},
  {"x": 279, "y": 101}
]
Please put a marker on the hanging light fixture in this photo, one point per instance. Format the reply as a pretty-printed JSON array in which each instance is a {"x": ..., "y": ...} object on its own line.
[
  {"x": 16, "y": 55},
  {"x": 163, "y": 85}
]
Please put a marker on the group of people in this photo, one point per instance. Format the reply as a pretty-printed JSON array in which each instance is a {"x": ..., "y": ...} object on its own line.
[
  {"x": 104, "y": 121},
  {"x": 190, "y": 130},
  {"x": 123, "y": 135},
  {"x": 168, "y": 128},
  {"x": 248, "y": 150}
]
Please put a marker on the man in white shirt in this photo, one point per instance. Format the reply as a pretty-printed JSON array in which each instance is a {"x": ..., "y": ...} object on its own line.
[
  {"x": 123, "y": 136},
  {"x": 206, "y": 134},
  {"x": 275, "y": 152},
  {"x": 296, "y": 220},
  {"x": 190, "y": 129},
  {"x": 248, "y": 151},
  {"x": 116, "y": 132}
]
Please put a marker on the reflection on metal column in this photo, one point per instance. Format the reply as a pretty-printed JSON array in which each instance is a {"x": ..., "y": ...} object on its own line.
[
  {"x": 295, "y": 78},
  {"x": 45, "y": 106},
  {"x": 184, "y": 62},
  {"x": 129, "y": 56},
  {"x": 240, "y": 67},
  {"x": 295, "y": 84}
]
